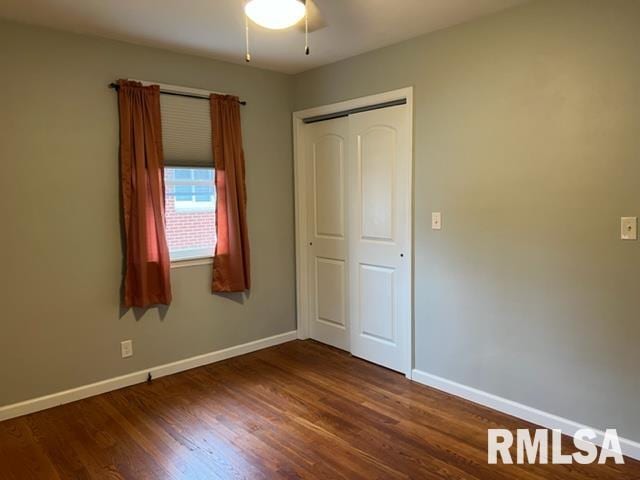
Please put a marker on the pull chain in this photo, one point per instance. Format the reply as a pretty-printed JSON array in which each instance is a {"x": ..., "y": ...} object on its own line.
[
  {"x": 247, "y": 57},
  {"x": 306, "y": 30}
]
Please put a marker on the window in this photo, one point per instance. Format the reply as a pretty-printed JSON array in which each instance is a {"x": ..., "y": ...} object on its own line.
[
  {"x": 190, "y": 195},
  {"x": 190, "y": 212},
  {"x": 193, "y": 189}
]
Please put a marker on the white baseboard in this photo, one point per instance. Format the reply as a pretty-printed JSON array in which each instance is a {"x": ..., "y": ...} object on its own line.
[
  {"x": 630, "y": 448},
  {"x": 60, "y": 398}
]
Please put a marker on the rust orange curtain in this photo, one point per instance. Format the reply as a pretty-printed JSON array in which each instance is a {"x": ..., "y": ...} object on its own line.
[
  {"x": 231, "y": 271},
  {"x": 146, "y": 280}
]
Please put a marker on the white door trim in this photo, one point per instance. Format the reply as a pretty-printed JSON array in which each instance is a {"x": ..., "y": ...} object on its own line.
[{"x": 302, "y": 306}]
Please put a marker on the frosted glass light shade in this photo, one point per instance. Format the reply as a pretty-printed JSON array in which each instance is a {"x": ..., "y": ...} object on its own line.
[{"x": 275, "y": 14}]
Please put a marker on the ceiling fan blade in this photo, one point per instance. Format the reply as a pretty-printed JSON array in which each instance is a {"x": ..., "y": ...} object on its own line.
[{"x": 316, "y": 20}]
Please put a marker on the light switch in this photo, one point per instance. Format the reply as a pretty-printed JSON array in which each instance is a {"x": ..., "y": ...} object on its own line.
[
  {"x": 436, "y": 221},
  {"x": 629, "y": 228}
]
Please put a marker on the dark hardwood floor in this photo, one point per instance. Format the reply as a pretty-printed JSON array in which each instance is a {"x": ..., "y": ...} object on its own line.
[{"x": 299, "y": 410}]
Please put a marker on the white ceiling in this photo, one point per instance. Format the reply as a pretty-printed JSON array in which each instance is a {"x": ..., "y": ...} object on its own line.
[{"x": 215, "y": 28}]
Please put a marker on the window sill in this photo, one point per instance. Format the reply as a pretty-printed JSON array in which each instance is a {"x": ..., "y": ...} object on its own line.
[{"x": 192, "y": 262}]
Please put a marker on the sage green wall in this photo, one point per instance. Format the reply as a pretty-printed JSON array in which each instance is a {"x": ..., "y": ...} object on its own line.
[
  {"x": 60, "y": 255},
  {"x": 527, "y": 139}
]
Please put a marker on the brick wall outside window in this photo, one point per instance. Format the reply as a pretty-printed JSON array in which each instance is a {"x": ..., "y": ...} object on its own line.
[{"x": 188, "y": 229}]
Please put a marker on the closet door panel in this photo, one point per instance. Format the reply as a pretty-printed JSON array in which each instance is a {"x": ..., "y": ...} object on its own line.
[{"x": 326, "y": 158}]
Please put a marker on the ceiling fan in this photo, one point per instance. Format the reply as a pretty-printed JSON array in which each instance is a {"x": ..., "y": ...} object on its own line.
[{"x": 281, "y": 14}]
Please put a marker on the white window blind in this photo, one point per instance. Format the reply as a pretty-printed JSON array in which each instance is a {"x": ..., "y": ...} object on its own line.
[{"x": 186, "y": 131}]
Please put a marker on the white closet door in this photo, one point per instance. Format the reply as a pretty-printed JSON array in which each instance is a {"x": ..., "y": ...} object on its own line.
[
  {"x": 326, "y": 162},
  {"x": 379, "y": 236}
]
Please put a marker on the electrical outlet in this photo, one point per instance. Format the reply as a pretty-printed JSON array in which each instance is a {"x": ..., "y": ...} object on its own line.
[{"x": 126, "y": 348}]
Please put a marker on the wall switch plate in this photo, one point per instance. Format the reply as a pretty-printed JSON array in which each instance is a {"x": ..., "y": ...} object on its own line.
[
  {"x": 126, "y": 348},
  {"x": 629, "y": 228},
  {"x": 436, "y": 221}
]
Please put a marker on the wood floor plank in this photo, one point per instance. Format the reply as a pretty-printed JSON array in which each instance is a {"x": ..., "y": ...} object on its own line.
[
  {"x": 20, "y": 455},
  {"x": 298, "y": 410}
]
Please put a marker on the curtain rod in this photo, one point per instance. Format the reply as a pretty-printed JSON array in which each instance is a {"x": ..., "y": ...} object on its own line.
[{"x": 115, "y": 86}]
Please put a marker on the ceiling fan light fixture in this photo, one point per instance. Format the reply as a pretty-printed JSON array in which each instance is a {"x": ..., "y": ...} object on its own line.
[{"x": 275, "y": 14}]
